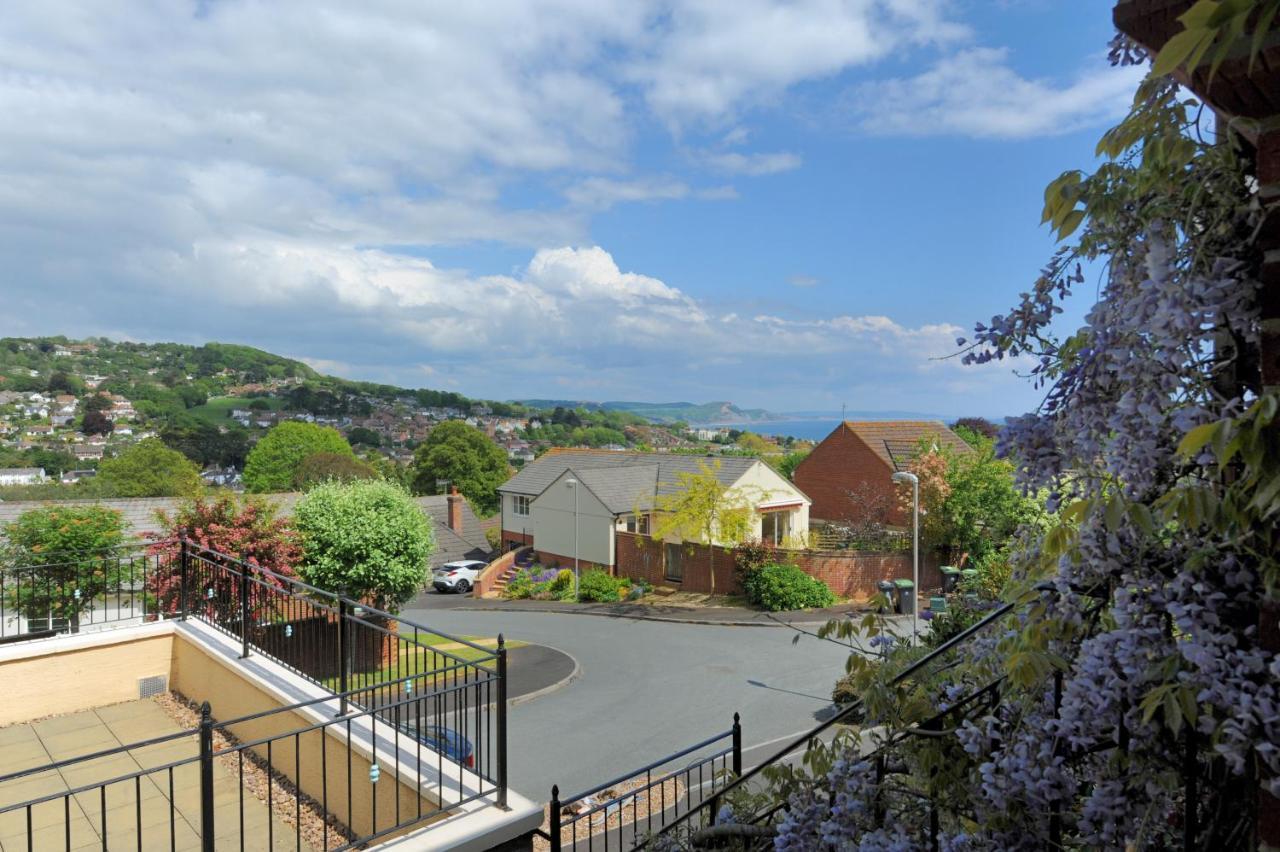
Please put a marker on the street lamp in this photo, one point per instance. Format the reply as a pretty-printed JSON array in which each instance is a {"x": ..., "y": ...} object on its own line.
[
  {"x": 904, "y": 476},
  {"x": 573, "y": 483}
]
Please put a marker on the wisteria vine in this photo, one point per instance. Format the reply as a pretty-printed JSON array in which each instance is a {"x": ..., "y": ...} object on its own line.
[{"x": 1137, "y": 651}]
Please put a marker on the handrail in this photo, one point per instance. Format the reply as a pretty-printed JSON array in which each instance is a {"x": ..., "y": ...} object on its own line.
[
  {"x": 225, "y": 558},
  {"x": 848, "y": 710}
]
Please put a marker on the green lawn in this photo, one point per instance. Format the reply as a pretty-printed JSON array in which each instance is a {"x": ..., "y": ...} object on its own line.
[
  {"x": 216, "y": 409},
  {"x": 422, "y": 659}
]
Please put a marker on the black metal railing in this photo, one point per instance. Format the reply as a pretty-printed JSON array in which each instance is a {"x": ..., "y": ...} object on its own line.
[
  {"x": 599, "y": 816},
  {"x": 316, "y": 782},
  {"x": 444, "y": 696},
  {"x": 70, "y": 591}
]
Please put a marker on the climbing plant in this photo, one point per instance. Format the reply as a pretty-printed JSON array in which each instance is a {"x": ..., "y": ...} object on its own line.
[{"x": 1132, "y": 662}]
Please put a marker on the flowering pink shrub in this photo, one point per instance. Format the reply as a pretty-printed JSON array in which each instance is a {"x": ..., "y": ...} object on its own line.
[{"x": 215, "y": 529}]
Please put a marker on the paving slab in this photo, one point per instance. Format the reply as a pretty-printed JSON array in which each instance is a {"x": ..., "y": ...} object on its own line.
[{"x": 144, "y": 805}]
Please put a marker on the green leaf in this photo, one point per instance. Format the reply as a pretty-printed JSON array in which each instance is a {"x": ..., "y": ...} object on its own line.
[
  {"x": 1195, "y": 440},
  {"x": 1175, "y": 51},
  {"x": 1069, "y": 223}
]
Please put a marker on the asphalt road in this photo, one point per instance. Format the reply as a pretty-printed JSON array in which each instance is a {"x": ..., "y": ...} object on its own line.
[{"x": 648, "y": 689}]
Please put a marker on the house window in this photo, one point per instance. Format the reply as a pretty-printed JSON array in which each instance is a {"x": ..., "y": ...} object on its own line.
[
  {"x": 774, "y": 527},
  {"x": 520, "y": 505},
  {"x": 674, "y": 563},
  {"x": 638, "y": 524}
]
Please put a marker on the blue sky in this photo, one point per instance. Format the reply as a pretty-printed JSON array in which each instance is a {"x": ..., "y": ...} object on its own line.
[{"x": 790, "y": 205}]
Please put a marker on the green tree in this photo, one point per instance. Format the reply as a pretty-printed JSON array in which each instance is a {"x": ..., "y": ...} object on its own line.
[
  {"x": 59, "y": 561},
  {"x": 753, "y": 443},
  {"x": 273, "y": 463},
  {"x": 788, "y": 463},
  {"x": 322, "y": 467},
  {"x": 367, "y": 539},
  {"x": 467, "y": 458},
  {"x": 363, "y": 435},
  {"x": 150, "y": 469},
  {"x": 701, "y": 508},
  {"x": 259, "y": 404}
]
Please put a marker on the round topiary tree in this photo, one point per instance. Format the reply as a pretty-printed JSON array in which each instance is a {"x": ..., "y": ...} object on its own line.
[
  {"x": 367, "y": 539},
  {"x": 274, "y": 462}
]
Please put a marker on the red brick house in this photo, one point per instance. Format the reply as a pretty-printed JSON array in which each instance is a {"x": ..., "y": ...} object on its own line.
[{"x": 851, "y": 472}]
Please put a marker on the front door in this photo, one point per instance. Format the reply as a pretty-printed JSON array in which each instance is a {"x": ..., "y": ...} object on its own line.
[{"x": 674, "y": 563}]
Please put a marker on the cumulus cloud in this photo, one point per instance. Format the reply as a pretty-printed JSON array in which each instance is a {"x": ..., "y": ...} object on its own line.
[
  {"x": 975, "y": 92},
  {"x": 283, "y": 174}
]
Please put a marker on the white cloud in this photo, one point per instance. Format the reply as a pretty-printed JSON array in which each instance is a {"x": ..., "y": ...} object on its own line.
[
  {"x": 716, "y": 56},
  {"x": 803, "y": 281},
  {"x": 754, "y": 164},
  {"x": 602, "y": 193},
  {"x": 976, "y": 93}
]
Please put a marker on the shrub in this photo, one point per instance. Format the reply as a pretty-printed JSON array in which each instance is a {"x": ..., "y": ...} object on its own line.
[
  {"x": 65, "y": 560},
  {"x": 247, "y": 529},
  {"x": 783, "y": 587},
  {"x": 368, "y": 539},
  {"x": 596, "y": 585},
  {"x": 520, "y": 587},
  {"x": 562, "y": 582}
]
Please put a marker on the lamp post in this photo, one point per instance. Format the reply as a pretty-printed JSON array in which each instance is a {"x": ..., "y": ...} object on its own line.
[
  {"x": 573, "y": 483},
  {"x": 904, "y": 476}
]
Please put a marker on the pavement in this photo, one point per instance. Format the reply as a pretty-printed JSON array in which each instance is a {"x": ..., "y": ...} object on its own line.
[
  {"x": 715, "y": 615},
  {"x": 646, "y": 688},
  {"x": 129, "y": 808}
]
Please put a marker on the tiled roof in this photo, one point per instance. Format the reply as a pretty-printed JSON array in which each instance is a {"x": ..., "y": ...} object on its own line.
[
  {"x": 625, "y": 478},
  {"x": 895, "y": 441},
  {"x": 140, "y": 517},
  {"x": 621, "y": 489}
]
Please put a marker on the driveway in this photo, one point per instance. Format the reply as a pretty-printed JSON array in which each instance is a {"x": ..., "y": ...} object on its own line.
[{"x": 647, "y": 689}]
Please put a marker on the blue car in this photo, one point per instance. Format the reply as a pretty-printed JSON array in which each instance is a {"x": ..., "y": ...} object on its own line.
[{"x": 450, "y": 743}]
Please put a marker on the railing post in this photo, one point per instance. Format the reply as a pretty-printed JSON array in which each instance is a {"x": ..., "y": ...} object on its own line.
[
  {"x": 244, "y": 609},
  {"x": 501, "y": 732},
  {"x": 737, "y": 746},
  {"x": 182, "y": 576},
  {"x": 206, "y": 779},
  {"x": 344, "y": 658},
  {"x": 555, "y": 818}
]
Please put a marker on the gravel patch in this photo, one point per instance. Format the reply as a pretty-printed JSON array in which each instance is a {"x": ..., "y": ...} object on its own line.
[{"x": 288, "y": 804}]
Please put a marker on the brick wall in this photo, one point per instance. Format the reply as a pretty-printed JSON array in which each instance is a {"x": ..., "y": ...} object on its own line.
[
  {"x": 491, "y": 573},
  {"x": 848, "y": 574},
  {"x": 840, "y": 464},
  {"x": 512, "y": 538}
]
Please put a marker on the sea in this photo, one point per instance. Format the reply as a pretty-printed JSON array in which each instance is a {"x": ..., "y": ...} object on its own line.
[{"x": 809, "y": 430}]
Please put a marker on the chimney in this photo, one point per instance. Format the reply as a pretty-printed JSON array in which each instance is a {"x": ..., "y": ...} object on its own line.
[{"x": 455, "y": 510}]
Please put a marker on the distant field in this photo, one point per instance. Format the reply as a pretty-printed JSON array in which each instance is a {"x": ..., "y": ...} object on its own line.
[{"x": 215, "y": 410}]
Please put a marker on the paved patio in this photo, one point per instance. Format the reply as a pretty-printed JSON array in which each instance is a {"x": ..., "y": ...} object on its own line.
[{"x": 133, "y": 806}]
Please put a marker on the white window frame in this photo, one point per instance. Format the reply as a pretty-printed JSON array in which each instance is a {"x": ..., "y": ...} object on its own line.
[{"x": 519, "y": 501}]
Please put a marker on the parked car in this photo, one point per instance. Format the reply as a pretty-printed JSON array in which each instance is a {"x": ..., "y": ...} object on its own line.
[
  {"x": 457, "y": 576},
  {"x": 450, "y": 743}
]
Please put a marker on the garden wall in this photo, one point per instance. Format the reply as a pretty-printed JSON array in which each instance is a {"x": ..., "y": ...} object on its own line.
[{"x": 849, "y": 574}]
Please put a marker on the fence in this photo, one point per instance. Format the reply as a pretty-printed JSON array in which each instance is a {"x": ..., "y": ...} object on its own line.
[
  {"x": 375, "y": 667},
  {"x": 849, "y": 574},
  {"x": 664, "y": 799},
  {"x": 78, "y": 591}
]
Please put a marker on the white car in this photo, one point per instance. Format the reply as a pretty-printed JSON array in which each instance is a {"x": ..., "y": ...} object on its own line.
[{"x": 457, "y": 576}]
